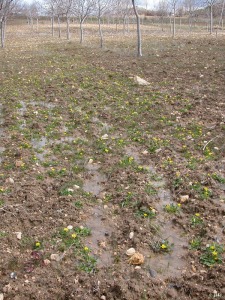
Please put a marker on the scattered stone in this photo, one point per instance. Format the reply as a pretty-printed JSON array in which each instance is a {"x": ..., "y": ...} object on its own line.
[
  {"x": 18, "y": 235},
  {"x": 184, "y": 198},
  {"x": 10, "y": 180},
  {"x": 137, "y": 268},
  {"x": 105, "y": 137},
  {"x": 1, "y": 296},
  {"x": 145, "y": 152},
  {"x": 76, "y": 187},
  {"x": 55, "y": 257},
  {"x": 136, "y": 259},
  {"x": 103, "y": 297},
  {"x": 70, "y": 227},
  {"x": 13, "y": 275},
  {"x": 130, "y": 252},
  {"x": 131, "y": 235},
  {"x": 152, "y": 273},
  {"x": 140, "y": 81},
  {"x": 47, "y": 262}
]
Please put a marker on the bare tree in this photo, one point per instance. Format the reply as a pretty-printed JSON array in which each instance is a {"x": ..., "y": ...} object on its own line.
[
  {"x": 173, "y": 5},
  {"x": 210, "y": 4},
  {"x": 67, "y": 9},
  {"x": 162, "y": 11},
  {"x": 139, "y": 45},
  {"x": 83, "y": 9},
  {"x": 7, "y": 8},
  {"x": 102, "y": 7}
]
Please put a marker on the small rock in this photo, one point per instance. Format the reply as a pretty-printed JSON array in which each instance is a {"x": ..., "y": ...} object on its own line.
[
  {"x": 10, "y": 180},
  {"x": 137, "y": 268},
  {"x": 18, "y": 235},
  {"x": 13, "y": 275},
  {"x": 70, "y": 227},
  {"x": 90, "y": 161},
  {"x": 131, "y": 235},
  {"x": 47, "y": 262},
  {"x": 103, "y": 297},
  {"x": 76, "y": 187},
  {"x": 184, "y": 198},
  {"x": 193, "y": 268},
  {"x": 145, "y": 152},
  {"x": 55, "y": 257},
  {"x": 130, "y": 252},
  {"x": 140, "y": 81},
  {"x": 152, "y": 273},
  {"x": 1, "y": 296},
  {"x": 137, "y": 259},
  {"x": 105, "y": 137}
]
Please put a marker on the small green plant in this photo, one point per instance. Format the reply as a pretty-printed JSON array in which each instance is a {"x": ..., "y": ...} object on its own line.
[
  {"x": 78, "y": 204},
  {"x": 2, "y": 203},
  {"x": 218, "y": 178},
  {"x": 196, "y": 220},
  {"x": 212, "y": 255},
  {"x": 172, "y": 208},
  {"x": 164, "y": 246},
  {"x": 195, "y": 244},
  {"x": 145, "y": 212},
  {"x": 127, "y": 161},
  {"x": 150, "y": 190},
  {"x": 87, "y": 262}
]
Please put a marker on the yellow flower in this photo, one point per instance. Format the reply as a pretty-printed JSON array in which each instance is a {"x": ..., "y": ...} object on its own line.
[
  {"x": 163, "y": 246},
  {"x": 197, "y": 215},
  {"x": 106, "y": 150},
  {"x": 214, "y": 253},
  {"x": 86, "y": 249},
  {"x": 37, "y": 244},
  {"x": 212, "y": 247},
  {"x": 145, "y": 215},
  {"x": 73, "y": 235},
  {"x": 66, "y": 229},
  {"x": 179, "y": 204}
]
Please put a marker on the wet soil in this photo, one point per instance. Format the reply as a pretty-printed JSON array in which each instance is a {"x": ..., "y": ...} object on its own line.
[{"x": 84, "y": 147}]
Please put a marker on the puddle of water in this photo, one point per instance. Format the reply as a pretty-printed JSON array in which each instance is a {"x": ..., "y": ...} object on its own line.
[
  {"x": 93, "y": 183},
  {"x": 170, "y": 264},
  {"x": 97, "y": 242},
  {"x": 134, "y": 153},
  {"x": 23, "y": 108},
  {"x": 40, "y": 144},
  {"x": 42, "y": 103}
]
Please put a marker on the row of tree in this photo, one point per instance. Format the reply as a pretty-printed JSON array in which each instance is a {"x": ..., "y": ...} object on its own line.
[{"x": 58, "y": 10}]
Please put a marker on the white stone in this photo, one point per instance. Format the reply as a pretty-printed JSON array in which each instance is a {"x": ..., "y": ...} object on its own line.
[
  {"x": 131, "y": 235},
  {"x": 55, "y": 257},
  {"x": 184, "y": 198},
  {"x": 70, "y": 227},
  {"x": 90, "y": 161},
  {"x": 10, "y": 180},
  {"x": 130, "y": 252},
  {"x": 18, "y": 235},
  {"x": 105, "y": 137},
  {"x": 1, "y": 296},
  {"x": 140, "y": 81}
]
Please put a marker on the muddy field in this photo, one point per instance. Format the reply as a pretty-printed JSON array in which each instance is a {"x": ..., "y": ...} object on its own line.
[{"x": 94, "y": 164}]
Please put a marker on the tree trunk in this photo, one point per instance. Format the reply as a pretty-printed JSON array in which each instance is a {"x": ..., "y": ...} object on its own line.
[
  {"x": 59, "y": 27},
  {"x": 138, "y": 29},
  {"x": 174, "y": 23},
  {"x": 100, "y": 32},
  {"x": 211, "y": 19},
  {"x": 81, "y": 32},
  {"x": 68, "y": 27},
  {"x": 37, "y": 23},
  {"x": 52, "y": 24},
  {"x": 3, "y": 26}
]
